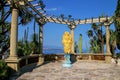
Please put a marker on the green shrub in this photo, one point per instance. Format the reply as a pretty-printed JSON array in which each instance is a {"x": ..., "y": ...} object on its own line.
[
  {"x": 117, "y": 55},
  {"x": 3, "y": 70}
]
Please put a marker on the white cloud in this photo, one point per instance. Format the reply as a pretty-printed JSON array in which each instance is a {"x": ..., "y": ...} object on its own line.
[{"x": 51, "y": 9}]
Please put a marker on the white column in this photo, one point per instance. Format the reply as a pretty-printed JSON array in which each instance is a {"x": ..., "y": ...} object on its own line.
[
  {"x": 14, "y": 34},
  {"x": 73, "y": 45},
  {"x": 41, "y": 22},
  {"x": 72, "y": 27},
  {"x": 108, "y": 53},
  {"x": 107, "y": 39},
  {"x": 41, "y": 39}
]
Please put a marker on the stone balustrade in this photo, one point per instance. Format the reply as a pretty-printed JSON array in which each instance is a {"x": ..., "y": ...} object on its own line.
[
  {"x": 21, "y": 63},
  {"x": 78, "y": 57},
  {"x": 28, "y": 60}
]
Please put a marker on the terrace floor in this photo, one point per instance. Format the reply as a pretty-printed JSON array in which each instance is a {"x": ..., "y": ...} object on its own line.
[{"x": 78, "y": 71}]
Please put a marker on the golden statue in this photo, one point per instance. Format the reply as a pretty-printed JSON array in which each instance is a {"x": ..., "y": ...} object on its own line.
[{"x": 67, "y": 42}]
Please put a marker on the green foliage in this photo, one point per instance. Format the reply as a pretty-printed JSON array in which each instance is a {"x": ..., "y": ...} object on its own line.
[
  {"x": 95, "y": 48},
  {"x": 87, "y": 48},
  {"x": 26, "y": 47},
  {"x": 34, "y": 43},
  {"x": 97, "y": 38},
  {"x": 20, "y": 49},
  {"x": 4, "y": 36},
  {"x": 80, "y": 43},
  {"x": 3, "y": 70},
  {"x": 117, "y": 23},
  {"x": 26, "y": 19},
  {"x": 90, "y": 33},
  {"x": 75, "y": 47},
  {"x": 117, "y": 12},
  {"x": 112, "y": 41},
  {"x": 116, "y": 56},
  {"x": 23, "y": 48},
  {"x": 112, "y": 36},
  {"x": 5, "y": 12}
]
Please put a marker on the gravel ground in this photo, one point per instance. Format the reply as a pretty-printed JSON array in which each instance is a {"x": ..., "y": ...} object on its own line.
[{"x": 78, "y": 71}]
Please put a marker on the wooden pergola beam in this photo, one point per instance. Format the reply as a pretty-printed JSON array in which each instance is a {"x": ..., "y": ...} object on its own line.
[
  {"x": 33, "y": 8},
  {"x": 85, "y": 21}
]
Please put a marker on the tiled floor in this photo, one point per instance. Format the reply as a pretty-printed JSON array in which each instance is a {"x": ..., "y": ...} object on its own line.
[{"x": 78, "y": 71}]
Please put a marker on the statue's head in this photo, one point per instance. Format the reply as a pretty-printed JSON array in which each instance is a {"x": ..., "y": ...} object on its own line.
[{"x": 66, "y": 33}]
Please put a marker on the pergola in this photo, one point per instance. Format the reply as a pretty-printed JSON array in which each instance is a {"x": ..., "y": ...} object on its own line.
[{"x": 40, "y": 15}]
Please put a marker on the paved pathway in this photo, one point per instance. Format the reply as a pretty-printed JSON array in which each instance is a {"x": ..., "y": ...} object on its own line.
[{"x": 79, "y": 71}]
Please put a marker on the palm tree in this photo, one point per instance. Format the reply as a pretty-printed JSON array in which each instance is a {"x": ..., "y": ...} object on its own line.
[
  {"x": 62, "y": 16},
  {"x": 96, "y": 38},
  {"x": 90, "y": 33},
  {"x": 3, "y": 11},
  {"x": 69, "y": 17}
]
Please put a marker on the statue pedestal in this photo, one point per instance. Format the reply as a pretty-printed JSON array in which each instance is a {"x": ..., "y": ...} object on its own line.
[{"x": 67, "y": 62}]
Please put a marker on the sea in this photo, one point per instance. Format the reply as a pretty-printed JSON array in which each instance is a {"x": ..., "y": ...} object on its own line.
[
  {"x": 55, "y": 50},
  {"x": 59, "y": 50},
  {"x": 52, "y": 50}
]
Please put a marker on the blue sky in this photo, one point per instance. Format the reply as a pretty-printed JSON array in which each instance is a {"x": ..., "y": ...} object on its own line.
[{"x": 82, "y": 9}]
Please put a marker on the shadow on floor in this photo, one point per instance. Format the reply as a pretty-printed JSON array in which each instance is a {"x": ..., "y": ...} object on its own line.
[
  {"x": 31, "y": 67},
  {"x": 73, "y": 58},
  {"x": 28, "y": 68}
]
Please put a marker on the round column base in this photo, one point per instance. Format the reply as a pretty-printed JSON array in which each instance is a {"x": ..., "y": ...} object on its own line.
[
  {"x": 67, "y": 65},
  {"x": 67, "y": 62}
]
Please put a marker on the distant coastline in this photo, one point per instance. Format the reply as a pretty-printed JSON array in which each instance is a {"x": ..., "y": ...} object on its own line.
[{"x": 59, "y": 50}]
